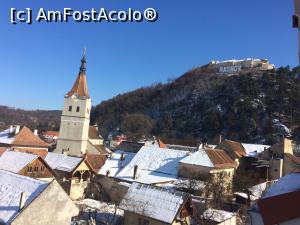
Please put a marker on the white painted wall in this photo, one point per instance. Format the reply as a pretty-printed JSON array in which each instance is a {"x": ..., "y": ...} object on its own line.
[{"x": 74, "y": 126}]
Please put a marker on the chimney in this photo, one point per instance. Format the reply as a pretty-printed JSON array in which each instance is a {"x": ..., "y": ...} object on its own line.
[
  {"x": 200, "y": 146},
  {"x": 122, "y": 157},
  {"x": 135, "y": 172},
  {"x": 22, "y": 200},
  {"x": 287, "y": 146},
  {"x": 220, "y": 138},
  {"x": 36, "y": 132},
  {"x": 11, "y": 129},
  {"x": 17, "y": 129}
]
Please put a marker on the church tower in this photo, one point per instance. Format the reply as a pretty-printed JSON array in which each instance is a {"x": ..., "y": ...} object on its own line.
[{"x": 75, "y": 119}]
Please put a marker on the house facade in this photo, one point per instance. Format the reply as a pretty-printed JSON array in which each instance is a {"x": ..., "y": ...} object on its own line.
[
  {"x": 25, "y": 164},
  {"x": 206, "y": 163},
  {"x": 31, "y": 202},
  {"x": 73, "y": 173}
]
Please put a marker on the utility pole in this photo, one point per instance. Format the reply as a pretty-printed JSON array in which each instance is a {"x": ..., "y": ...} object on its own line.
[{"x": 296, "y": 22}]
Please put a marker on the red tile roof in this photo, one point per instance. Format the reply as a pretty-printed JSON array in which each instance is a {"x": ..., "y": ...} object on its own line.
[
  {"x": 161, "y": 144},
  {"x": 96, "y": 161},
  {"x": 233, "y": 149},
  {"x": 51, "y": 133},
  {"x": 2, "y": 150},
  {"x": 280, "y": 208},
  {"x": 80, "y": 87},
  {"x": 220, "y": 159},
  {"x": 27, "y": 138},
  {"x": 40, "y": 152},
  {"x": 93, "y": 132}
]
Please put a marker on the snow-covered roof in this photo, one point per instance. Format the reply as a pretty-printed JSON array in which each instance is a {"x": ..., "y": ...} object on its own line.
[
  {"x": 155, "y": 165},
  {"x": 153, "y": 202},
  {"x": 114, "y": 164},
  {"x": 254, "y": 149},
  {"x": 6, "y": 137},
  {"x": 182, "y": 147},
  {"x": 217, "y": 215},
  {"x": 256, "y": 191},
  {"x": 15, "y": 161},
  {"x": 288, "y": 183},
  {"x": 199, "y": 158},
  {"x": 211, "y": 158},
  {"x": 62, "y": 162},
  {"x": 259, "y": 189},
  {"x": 11, "y": 187}
]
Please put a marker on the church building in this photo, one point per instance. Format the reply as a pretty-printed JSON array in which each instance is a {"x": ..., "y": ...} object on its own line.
[{"x": 75, "y": 120}]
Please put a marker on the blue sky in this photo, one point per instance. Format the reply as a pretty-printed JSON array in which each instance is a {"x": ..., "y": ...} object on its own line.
[{"x": 40, "y": 62}]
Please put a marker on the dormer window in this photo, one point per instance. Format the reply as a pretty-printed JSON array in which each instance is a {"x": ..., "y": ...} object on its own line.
[
  {"x": 70, "y": 108},
  {"x": 77, "y": 109}
]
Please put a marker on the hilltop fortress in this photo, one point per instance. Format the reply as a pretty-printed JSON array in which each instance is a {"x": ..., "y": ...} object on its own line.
[{"x": 234, "y": 66}]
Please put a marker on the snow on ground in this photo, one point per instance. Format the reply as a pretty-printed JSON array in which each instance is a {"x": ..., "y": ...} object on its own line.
[
  {"x": 114, "y": 164},
  {"x": 15, "y": 161},
  {"x": 100, "y": 211},
  {"x": 11, "y": 187},
  {"x": 62, "y": 162},
  {"x": 155, "y": 165},
  {"x": 217, "y": 215}
]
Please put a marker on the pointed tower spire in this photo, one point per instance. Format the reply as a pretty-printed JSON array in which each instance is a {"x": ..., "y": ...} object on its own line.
[
  {"x": 80, "y": 88},
  {"x": 83, "y": 62}
]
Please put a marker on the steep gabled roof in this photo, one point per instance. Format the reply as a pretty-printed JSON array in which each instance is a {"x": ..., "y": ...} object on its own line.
[
  {"x": 40, "y": 152},
  {"x": 62, "y": 162},
  {"x": 154, "y": 202},
  {"x": 15, "y": 161},
  {"x": 155, "y": 165},
  {"x": 80, "y": 88},
  {"x": 2, "y": 150},
  {"x": 11, "y": 186},
  {"x": 96, "y": 161},
  {"x": 199, "y": 158},
  {"x": 93, "y": 133},
  {"x": 27, "y": 138},
  {"x": 212, "y": 158},
  {"x": 220, "y": 159},
  {"x": 233, "y": 149}
]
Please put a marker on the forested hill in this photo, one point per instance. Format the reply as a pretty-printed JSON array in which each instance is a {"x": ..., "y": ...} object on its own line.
[
  {"x": 250, "y": 107},
  {"x": 35, "y": 119}
]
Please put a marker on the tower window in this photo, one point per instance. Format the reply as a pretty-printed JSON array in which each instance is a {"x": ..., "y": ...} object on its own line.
[
  {"x": 77, "y": 109},
  {"x": 70, "y": 108}
]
